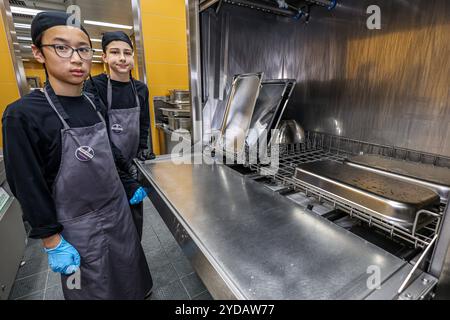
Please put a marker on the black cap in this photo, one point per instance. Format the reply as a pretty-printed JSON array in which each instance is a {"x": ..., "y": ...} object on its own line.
[
  {"x": 48, "y": 19},
  {"x": 111, "y": 36}
]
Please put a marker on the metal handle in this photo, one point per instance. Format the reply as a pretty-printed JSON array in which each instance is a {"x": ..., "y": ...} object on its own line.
[{"x": 416, "y": 219}]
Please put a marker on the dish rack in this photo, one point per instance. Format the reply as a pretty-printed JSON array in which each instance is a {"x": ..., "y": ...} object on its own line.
[{"x": 320, "y": 146}]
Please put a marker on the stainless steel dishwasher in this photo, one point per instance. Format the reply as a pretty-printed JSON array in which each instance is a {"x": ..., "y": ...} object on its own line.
[{"x": 363, "y": 196}]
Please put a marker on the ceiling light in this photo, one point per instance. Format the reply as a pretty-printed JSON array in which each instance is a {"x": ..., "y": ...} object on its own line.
[
  {"x": 25, "y": 60},
  {"x": 27, "y": 11},
  {"x": 107, "y": 24},
  {"x": 96, "y": 40},
  {"x": 96, "y": 56},
  {"x": 24, "y": 38},
  {"x": 22, "y": 25},
  {"x": 97, "y": 61}
]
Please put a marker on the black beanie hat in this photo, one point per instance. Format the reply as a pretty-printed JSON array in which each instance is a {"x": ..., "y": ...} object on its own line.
[
  {"x": 111, "y": 36},
  {"x": 48, "y": 19}
]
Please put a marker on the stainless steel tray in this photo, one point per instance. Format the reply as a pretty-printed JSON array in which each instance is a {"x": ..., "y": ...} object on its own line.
[
  {"x": 175, "y": 112},
  {"x": 178, "y": 105},
  {"x": 238, "y": 113},
  {"x": 429, "y": 176},
  {"x": 392, "y": 200},
  {"x": 272, "y": 100}
]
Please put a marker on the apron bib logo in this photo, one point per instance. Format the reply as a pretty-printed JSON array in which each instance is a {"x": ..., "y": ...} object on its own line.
[
  {"x": 84, "y": 153},
  {"x": 117, "y": 128}
]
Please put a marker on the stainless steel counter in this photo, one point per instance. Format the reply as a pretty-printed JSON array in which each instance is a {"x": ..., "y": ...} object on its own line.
[{"x": 247, "y": 242}]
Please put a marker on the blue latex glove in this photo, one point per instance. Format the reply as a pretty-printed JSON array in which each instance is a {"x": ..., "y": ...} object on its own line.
[
  {"x": 64, "y": 258},
  {"x": 138, "y": 196}
]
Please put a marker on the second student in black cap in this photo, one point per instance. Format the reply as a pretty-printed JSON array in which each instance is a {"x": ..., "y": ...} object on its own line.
[{"x": 126, "y": 101}]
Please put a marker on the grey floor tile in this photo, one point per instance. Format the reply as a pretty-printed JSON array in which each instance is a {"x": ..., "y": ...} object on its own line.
[
  {"x": 147, "y": 231},
  {"x": 182, "y": 266},
  {"x": 153, "y": 220},
  {"x": 35, "y": 296},
  {"x": 173, "y": 250},
  {"x": 150, "y": 242},
  {"x": 33, "y": 250},
  {"x": 166, "y": 239},
  {"x": 172, "y": 291},
  {"x": 203, "y": 296},
  {"x": 54, "y": 293},
  {"x": 148, "y": 203},
  {"x": 149, "y": 209},
  {"x": 193, "y": 284},
  {"x": 161, "y": 229},
  {"x": 33, "y": 266},
  {"x": 173, "y": 254},
  {"x": 149, "y": 213},
  {"x": 156, "y": 258},
  {"x": 152, "y": 214},
  {"x": 29, "y": 285},
  {"x": 163, "y": 275},
  {"x": 31, "y": 242},
  {"x": 54, "y": 279}
]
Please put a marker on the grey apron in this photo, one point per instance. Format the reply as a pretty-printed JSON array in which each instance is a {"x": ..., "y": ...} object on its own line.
[
  {"x": 92, "y": 206},
  {"x": 124, "y": 125},
  {"x": 124, "y": 133}
]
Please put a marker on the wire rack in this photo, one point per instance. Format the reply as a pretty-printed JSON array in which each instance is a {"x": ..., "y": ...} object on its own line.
[{"x": 319, "y": 147}]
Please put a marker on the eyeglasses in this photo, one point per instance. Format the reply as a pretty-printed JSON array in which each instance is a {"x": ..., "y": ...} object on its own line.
[{"x": 64, "y": 51}]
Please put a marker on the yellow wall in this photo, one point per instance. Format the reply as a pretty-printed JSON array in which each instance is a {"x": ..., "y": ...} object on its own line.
[
  {"x": 165, "y": 44},
  {"x": 35, "y": 69},
  {"x": 97, "y": 68},
  {"x": 9, "y": 91}
]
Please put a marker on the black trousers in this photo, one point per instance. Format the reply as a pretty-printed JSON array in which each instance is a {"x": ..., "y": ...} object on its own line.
[{"x": 137, "y": 211}]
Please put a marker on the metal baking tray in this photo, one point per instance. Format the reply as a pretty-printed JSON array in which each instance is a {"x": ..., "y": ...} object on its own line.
[
  {"x": 178, "y": 105},
  {"x": 272, "y": 100},
  {"x": 238, "y": 113},
  {"x": 175, "y": 112},
  {"x": 390, "y": 199},
  {"x": 429, "y": 176}
]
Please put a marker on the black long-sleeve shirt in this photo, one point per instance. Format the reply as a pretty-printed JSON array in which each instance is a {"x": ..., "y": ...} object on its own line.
[
  {"x": 32, "y": 154},
  {"x": 123, "y": 98}
]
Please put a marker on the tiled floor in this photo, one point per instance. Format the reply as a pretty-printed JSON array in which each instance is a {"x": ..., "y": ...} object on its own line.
[{"x": 173, "y": 276}]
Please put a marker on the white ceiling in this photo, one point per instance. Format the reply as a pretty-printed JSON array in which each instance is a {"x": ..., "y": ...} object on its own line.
[{"x": 111, "y": 11}]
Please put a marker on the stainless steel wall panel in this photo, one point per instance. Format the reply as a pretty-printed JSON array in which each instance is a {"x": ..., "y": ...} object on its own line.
[{"x": 388, "y": 86}]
